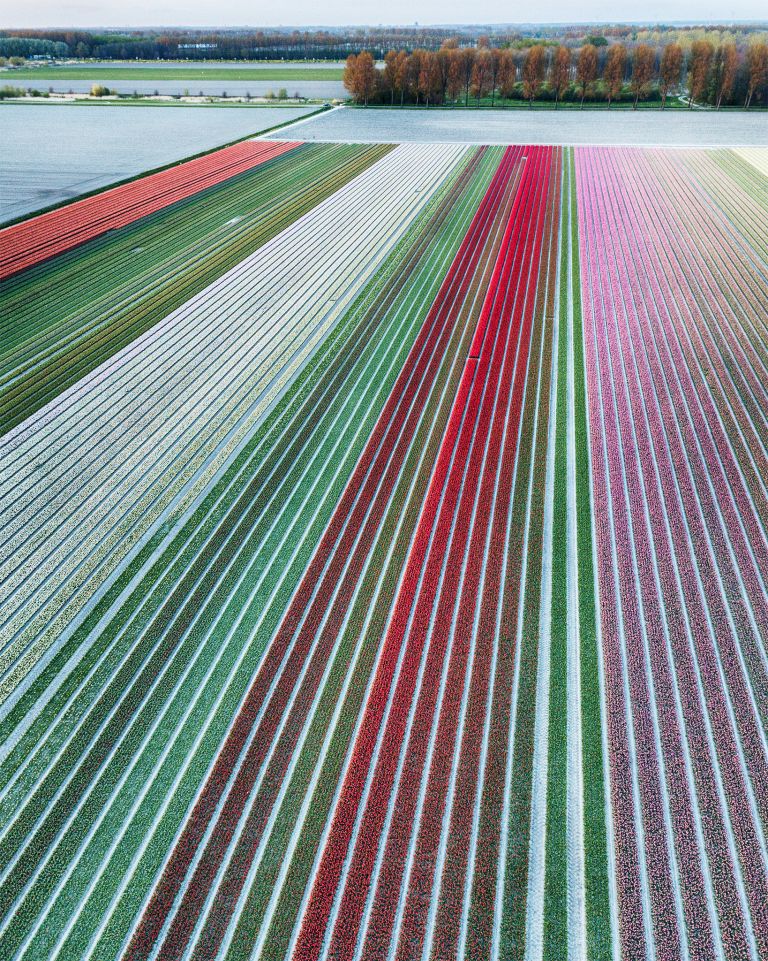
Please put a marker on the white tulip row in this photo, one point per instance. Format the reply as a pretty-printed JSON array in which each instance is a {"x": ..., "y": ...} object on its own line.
[{"x": 93, "y": 472}]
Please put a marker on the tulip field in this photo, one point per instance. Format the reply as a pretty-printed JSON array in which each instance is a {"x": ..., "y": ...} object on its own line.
[{"x": 384, "y": 566}]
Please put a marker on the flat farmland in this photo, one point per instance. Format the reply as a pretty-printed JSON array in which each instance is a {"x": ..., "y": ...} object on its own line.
[
  {"x": 644, "y": 127},
  {"x": 235, "y": 79},
  {"x": 58, "y": 154},
  {"x": 384, "y": 552},
  {"x": 183, "y": 70}
]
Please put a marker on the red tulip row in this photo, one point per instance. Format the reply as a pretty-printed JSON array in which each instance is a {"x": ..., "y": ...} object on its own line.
[
  {"x": 504, "y": 834},
  {"x": 300, "y": 651},
  {"x": 673, "y": 551},
  {"x": 47, "y": 235},
  {"x": 440, "y": 848},
  {"x": 411, "y": 723}
]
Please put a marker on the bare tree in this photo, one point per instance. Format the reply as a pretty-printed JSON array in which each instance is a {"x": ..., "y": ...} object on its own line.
[
  {"x": 615, "y": 67},
  {"x": 533, "y": 73},
  {"x": 560, "y": 72},
  {"x": 724, "y": 69},
  {"x": 671, "y": 68},
  {"x": 586, "y": 69},
  {"x": 643, "y": 62},
  {"x": 757, "y": 70},
  {"x": 698, "y": 69}
]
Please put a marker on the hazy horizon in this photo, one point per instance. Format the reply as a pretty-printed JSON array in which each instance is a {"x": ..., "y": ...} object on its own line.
[{"x": 304, "y": 14}]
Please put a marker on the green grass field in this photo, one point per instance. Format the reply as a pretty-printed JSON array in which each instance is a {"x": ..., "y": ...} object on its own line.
[{"x": 160, "y": 72}]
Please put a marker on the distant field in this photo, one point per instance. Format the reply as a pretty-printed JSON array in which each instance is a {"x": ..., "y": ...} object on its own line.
[
  {"x": 641, "y": 127},
  {"x": 62, "y": 151},
  {"x": 176, "y": 72}
]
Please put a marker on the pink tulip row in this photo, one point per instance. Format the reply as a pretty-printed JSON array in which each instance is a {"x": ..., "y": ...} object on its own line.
[{"x": 679, "y": 538}]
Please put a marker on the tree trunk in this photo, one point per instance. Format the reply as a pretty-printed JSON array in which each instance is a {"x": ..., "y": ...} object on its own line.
[{"x": 402, "y": 95}]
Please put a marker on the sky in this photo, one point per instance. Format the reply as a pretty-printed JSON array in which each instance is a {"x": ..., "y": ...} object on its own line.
[{"x": 221, "y": 13}]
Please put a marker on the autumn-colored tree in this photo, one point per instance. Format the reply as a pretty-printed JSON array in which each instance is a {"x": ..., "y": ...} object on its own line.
[
  {"x": 699, "y": 63},
  {"x": 455, "y": 74},
  {"x": 412, "y": 74},
  {"x": 533, "y": 73},
  {"x": 586, "y": 69},
  {"x": 494, "y": 80},
  {"x": 615, "y": 67},
  {"x": 757, "y": 70},
  {"x": 350, "y": 74},
  {"x": 505, "y": 73},
  {"x": 724, "y": 69},
  {"x": 401, "y": 73},
  {"x": 671, "y": 68},
  {"x": 395, "y": 67},
  {"x": 361, "y": 77},
  {"x": 466, "y": 67},
  {"x": 443, "y": 64},
  {"x": 482, "y": 73},
  {"x": 560, "y": 72},
  {"x": 643, "y": 62},
  {"x": 429, "y": 77}
]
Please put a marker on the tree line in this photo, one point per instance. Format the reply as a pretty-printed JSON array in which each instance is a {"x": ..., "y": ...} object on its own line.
[
  {"x": 231, "y": 44},
  {"x": 337, "y": 43},
  {"x": 714, "y": 74}
]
